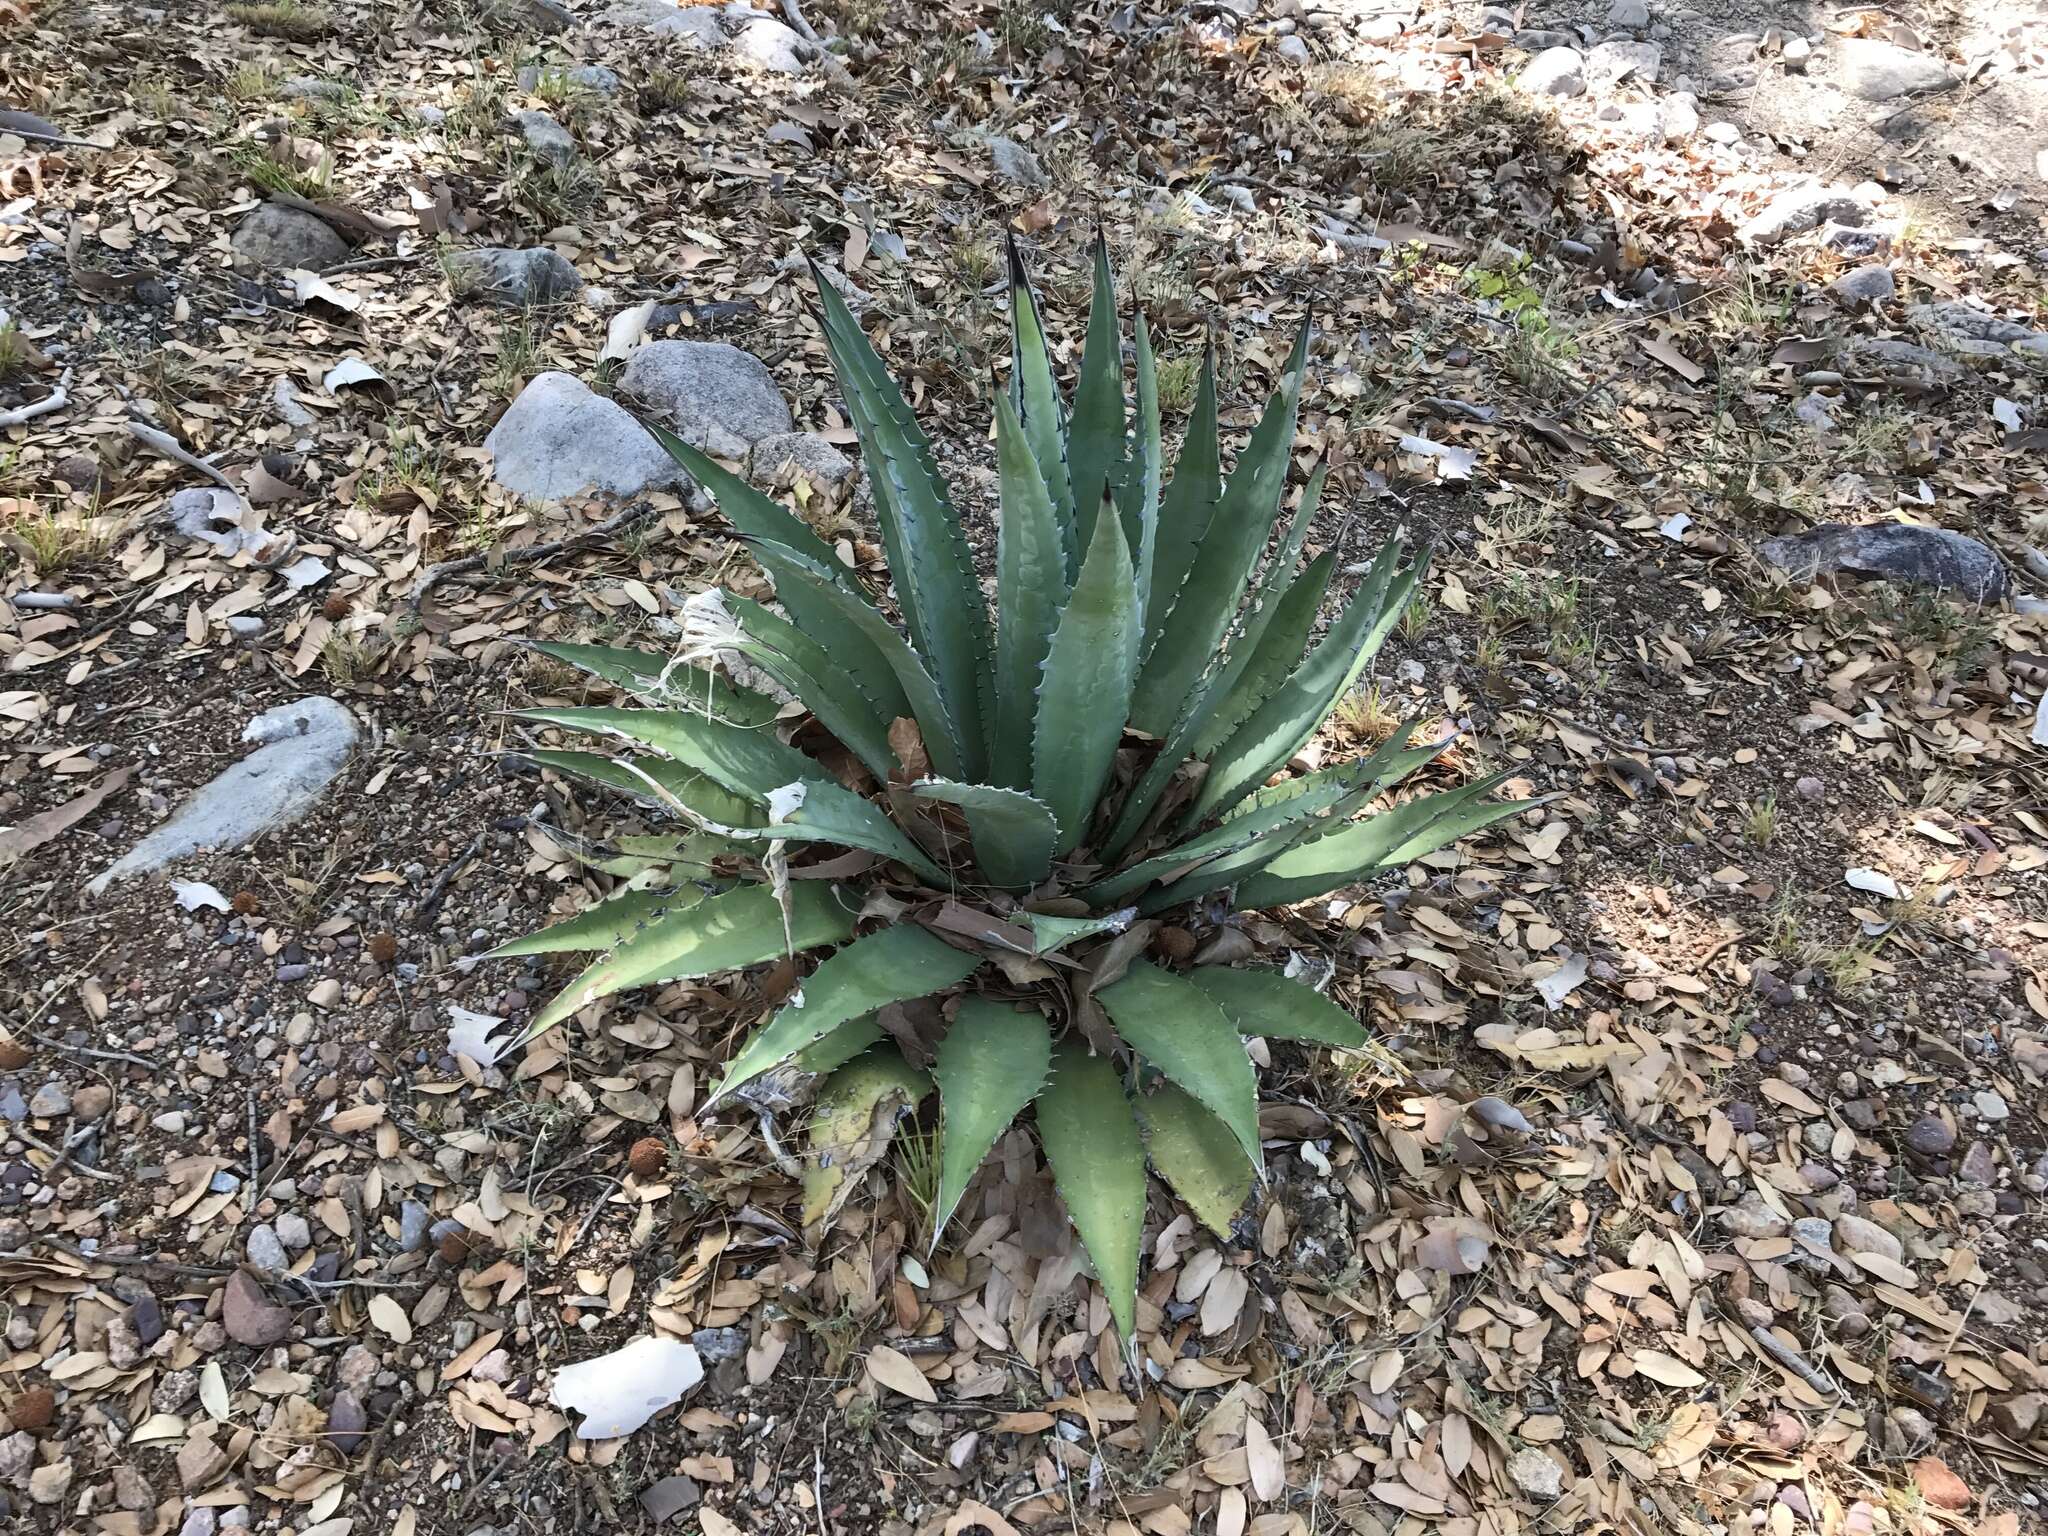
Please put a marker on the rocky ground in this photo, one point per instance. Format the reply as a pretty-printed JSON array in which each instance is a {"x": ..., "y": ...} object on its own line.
[{"x": 1696, "y": 1182}]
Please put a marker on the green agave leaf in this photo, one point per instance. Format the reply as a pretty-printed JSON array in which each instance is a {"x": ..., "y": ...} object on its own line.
[
  {"x": 1031, "y": 583},
  {"x": 601, "y": 924},
  {"x": 727, "y": 932},
  {"x": 824, "y": 812},
  {"x": 756, "y": 516},
  {"x": 1292, "y": 813},
  {"x": 1362, "y": 848},
  {"x": 853, "y": 1123},
  {"x": 1267, "y": 664},
  {"x": 1035, "y": 398},
  {"x": 793, "y": 572},
  {"x": 1178, "y": 1028},
  {"x": 990, "y": 1065},
  {"x": 1141, "y": 499},
  {"x": 748, "y": 761},
  {"x": 1267, "y": 1004},
  {"x": 1013, "y": 833},
  {"x": 1196, "y": 1154},
  {"x": 1090, "y": 1136},
  {"x": 1282, "y": 725},
  {"x": 891, "y": 966},
  {"x": 1095, "y": 435},
  {"x": 1212, "y": 690},
  {"x": 1285, "y": 808},
  {"x": 688, "y": 857},
  {"x": 1187, "y": 504},
  {"x": 823, "y": 683},
  {"x": 1087, "y": 683},
  {"x": 698, "y": 791},
  {"x": 1050, "y": 935},
  {"x": 928, "y": 553},
  {"x": 839, "y": 1047},
  {"x": 1229, "y": 550},
  {"x": 664, "y": 679}
]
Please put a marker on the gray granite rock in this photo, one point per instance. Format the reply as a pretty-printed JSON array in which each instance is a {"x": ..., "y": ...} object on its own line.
[
  {"x": 503, "y": 275},
  {"x": 547, "y": 140},
  {"x": 559, "y": 438},
  {"x": 280, "y": 239},
  {"x": 715, "y": 396},
  {"x": 1554, "y": 72},
  {"x": 1929, "y": 557},
  {"x": 1879, "y": 71},
  {"x": 300, "y": 748}
]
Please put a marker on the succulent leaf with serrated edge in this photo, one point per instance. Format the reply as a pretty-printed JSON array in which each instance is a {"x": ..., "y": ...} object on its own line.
[{"x": 1015, "y": 791}]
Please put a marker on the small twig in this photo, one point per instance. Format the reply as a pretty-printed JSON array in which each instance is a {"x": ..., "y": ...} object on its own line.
[
  {"x": 47, "y": 138},
  {"x": 250, "y": 1187},
  {"x": 55, "y": 400},
  {"x": 612, "y": 1187},
  {"x": 783, "y": 1160},
  {"x": 164, "y": 444},
  {"x": 793, "y": 9},
  {"x": 63, "y": 1156},
  {"x": 430, "y": 903},
  {"x": 439, "y": 572},
  {"x": 86, "y": 1050},
  {"x": 1793, "y": 1361},
  {"x": 133, "y": 1261},
  {"x": 368, "y": 264},
  {"x": 376, "y": 1450}
]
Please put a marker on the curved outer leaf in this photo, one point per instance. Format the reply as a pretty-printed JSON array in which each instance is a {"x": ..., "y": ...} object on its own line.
[
  {"x": 1090, "y": 1136},
  {"x": 990, "y": 1065},
  {"x": 1196, "y": 1154},
  {"x": 1050, "y": 934},
  {"x": 1362, "y": 848},
  {"x": 1095, "y": 434},
  {"x": 1031, "y": 586},
  {"x": 792, "y": 572},
  {"x": 831, "y": 813},
  {"x": 1223, "y": 564},
  {"x": 852, "y": 1124},
  {"x": 756, "y": 516},
  {"x": 1269, "y": 662},
  {"x": 1282, "y": 725},
  {"x": 1140, "y": 500},
  {"x": 727, "y": 932},
  {"x": 601, "y": 924},
  {"x": 1284, "y": 809},
  {"x": 1210, "y": 693},
  {"x": 1187, "y": 504},
  {"x": 749, "y": 762},
  {"x": 928, "y": 553},
  {"x": 1178, "y": 1028},
  {"x": 1267, "y": 1004},
  {"x": 1013, "y": 833},
  {"x": 1087, "y": 685},
  {"x": 839, "y": 1047},
  {"x": 665, "y": 679},
  {"x": 1035, "y": 398},
  {"x": 698, "y": 791},
  {"x": 891, "y": 966},
  {"x": 761, "y": 519},
  {"x": 823, "y": 683},
  {"x": 1291, "y": 813}
]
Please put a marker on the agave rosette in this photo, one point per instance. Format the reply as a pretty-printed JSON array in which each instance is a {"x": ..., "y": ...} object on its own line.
[{"x": 1006, "y": 790}]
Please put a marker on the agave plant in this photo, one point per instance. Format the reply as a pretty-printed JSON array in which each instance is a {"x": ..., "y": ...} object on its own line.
[{"x": 985, "y": 815}]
